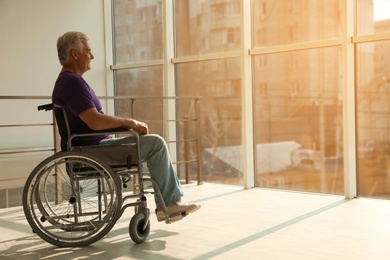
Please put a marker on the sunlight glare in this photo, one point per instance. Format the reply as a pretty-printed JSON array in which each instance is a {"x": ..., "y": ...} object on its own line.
[{"x": 381, "y": 10}]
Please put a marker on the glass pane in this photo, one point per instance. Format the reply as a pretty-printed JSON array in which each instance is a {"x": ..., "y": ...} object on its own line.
[
  {"x": 373, "y": 119},
  {"x": 147, "y": 85},
  {"x": 373, "y": 16},
  {"x": 278, "y": 22},
  {"x": 137, "y": 30},
  {"x": 207, "y": 26},
  {"x": 298, "y": 121},
  {"x": 218, "y": 83}
]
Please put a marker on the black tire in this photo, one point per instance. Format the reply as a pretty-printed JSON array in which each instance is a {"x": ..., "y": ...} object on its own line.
[{"x": 136, "y": 228}]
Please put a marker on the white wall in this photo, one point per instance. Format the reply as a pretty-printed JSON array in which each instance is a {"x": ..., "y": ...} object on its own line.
[
  {"x": 29, "y": 32},
  {"x": 29, "y": 65}
]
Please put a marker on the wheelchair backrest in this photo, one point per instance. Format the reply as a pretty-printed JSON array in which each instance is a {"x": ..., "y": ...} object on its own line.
[
  {"x": 63, "y": 125},
  {"x": 62, "y": 122}
]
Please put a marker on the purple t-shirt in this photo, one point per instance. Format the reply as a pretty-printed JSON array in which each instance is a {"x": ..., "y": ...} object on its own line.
[{"x": 74, "y": 94}]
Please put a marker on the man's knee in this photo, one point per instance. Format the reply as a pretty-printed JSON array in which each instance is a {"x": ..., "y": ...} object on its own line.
[
  {"x": 157, "y": 140},
  {"x": 160, "y": 141}
]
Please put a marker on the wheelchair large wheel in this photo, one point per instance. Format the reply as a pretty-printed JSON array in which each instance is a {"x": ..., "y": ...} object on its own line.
[{"x": 72, "y": 199}]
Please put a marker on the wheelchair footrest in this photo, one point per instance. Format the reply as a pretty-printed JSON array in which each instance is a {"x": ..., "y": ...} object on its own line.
[{"x": 176, "y": 217}]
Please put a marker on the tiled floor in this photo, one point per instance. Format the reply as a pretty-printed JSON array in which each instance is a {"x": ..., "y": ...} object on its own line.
[{"x": 233, "y": 223}]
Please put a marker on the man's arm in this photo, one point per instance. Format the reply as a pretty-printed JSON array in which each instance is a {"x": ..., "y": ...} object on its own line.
[{"x": 96, "y": 121}]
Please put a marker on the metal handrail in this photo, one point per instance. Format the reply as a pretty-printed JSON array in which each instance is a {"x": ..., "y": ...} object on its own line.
[{"x": 132, "y": 99}]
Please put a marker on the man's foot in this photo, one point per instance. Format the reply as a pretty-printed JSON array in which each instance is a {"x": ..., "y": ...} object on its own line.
[{"x": 178, "y": 209}]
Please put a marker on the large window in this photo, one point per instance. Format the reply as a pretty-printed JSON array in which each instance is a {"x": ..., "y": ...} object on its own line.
[
  {"x": 300, "y": 78},
  {"x": 372, "y": 100},
  {"x": 207, "y": 27},
  {"x": 218, "y": 83},
  {"x": 297, "y": 96},
  {"x": 298, "y": 119},
  {"x": 138, "y": 39}
]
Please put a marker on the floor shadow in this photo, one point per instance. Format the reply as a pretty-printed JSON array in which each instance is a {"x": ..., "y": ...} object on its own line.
[{"x": 33, "y": 247}]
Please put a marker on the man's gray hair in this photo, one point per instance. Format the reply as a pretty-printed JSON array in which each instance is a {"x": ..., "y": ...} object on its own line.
[{"x": 68, "y": 42}]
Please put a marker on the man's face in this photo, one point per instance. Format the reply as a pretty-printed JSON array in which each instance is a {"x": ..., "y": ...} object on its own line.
[{"x": 84, "y": 57}]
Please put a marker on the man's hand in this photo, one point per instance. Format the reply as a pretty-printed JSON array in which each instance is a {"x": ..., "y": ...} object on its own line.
[{"x": 140, "y": 127}]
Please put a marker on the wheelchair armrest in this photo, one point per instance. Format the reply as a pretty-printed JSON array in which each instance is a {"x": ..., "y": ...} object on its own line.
[
  {"x": 105, "y": 131},
  {"x": 112, "y": 131}
]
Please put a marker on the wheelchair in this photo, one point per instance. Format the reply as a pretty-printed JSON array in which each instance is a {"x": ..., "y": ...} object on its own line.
[{"x": 74, "y": 197}]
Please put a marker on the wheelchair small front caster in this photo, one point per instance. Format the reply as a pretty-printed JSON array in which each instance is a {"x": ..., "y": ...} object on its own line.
[{"x": 137, "y": 230}]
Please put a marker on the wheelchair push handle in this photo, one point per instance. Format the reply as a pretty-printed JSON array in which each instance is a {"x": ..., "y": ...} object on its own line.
[{"x": 46, "y": 107}]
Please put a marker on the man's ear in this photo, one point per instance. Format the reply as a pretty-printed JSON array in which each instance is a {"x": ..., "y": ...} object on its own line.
[{"x": 73, "y": 54}]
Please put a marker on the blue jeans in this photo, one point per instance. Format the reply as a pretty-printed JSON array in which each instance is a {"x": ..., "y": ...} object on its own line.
[{"x": 154, "y": 152}]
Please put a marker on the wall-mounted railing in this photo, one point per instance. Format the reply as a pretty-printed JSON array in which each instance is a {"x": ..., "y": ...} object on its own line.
[{"x": 25, "y": 149}]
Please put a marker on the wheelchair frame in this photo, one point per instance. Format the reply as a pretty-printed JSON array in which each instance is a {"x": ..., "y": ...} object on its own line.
[{"x": 74, "y": 197}]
